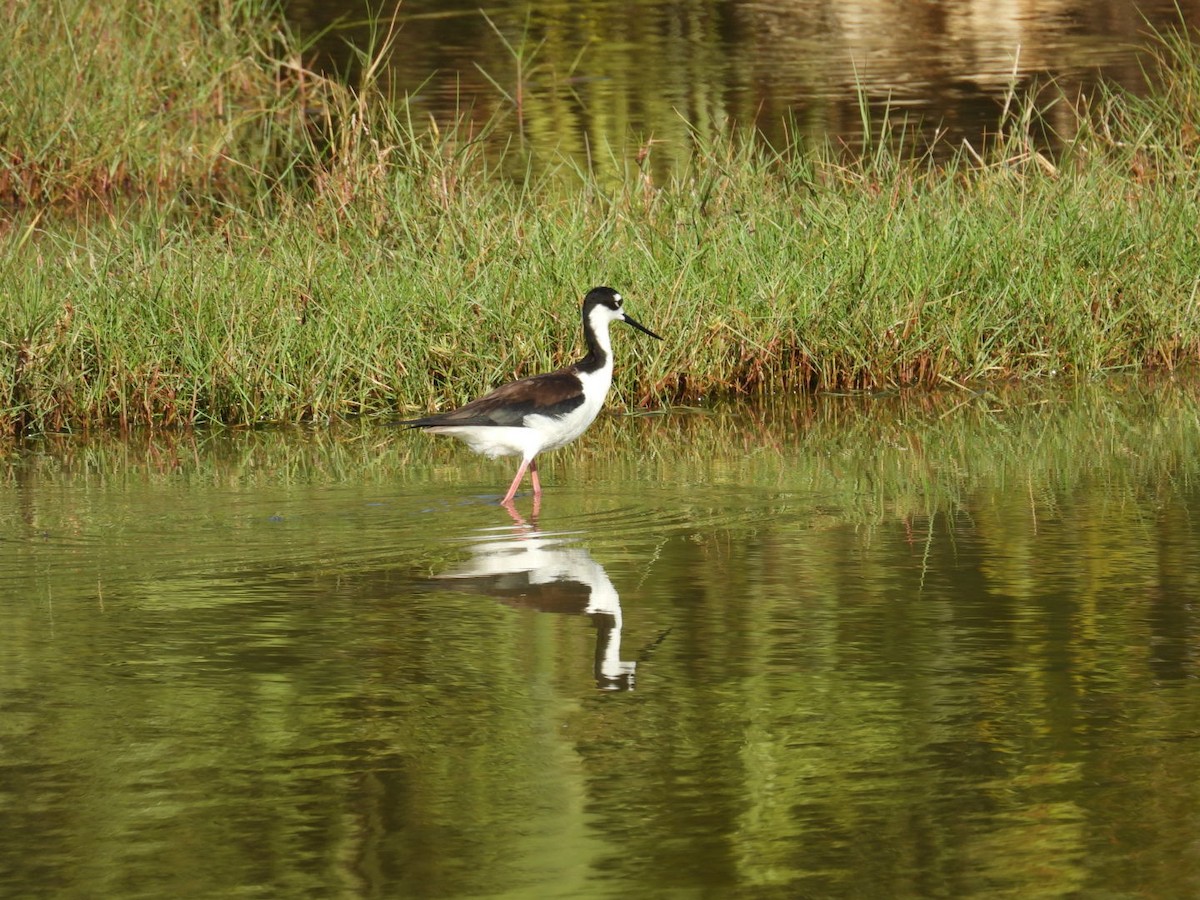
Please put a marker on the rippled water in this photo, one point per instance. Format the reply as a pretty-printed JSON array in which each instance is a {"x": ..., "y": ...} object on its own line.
[{"x": 902, "y": 646}]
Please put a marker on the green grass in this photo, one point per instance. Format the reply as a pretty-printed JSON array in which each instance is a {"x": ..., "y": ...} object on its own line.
[
  {"x": 100, "y": 100},
  {"x": 209, "y": 234}
]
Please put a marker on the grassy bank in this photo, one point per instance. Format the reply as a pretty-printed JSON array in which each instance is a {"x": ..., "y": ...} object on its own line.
[{"x": 256, "y": 244}]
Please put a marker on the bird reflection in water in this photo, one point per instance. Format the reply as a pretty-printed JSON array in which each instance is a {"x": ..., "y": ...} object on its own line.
[{"x": 530, "y": 569}]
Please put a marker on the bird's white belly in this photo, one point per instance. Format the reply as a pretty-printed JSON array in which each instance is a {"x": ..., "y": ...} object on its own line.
[
  {"x": 494, "y": 441},
  {"x": 559, "y": 431}
]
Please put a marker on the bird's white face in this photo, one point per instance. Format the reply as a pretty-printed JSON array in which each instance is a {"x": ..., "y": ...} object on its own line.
[
  {"x": 605, "y": 306},
  {"x": 602, "y": 315}
]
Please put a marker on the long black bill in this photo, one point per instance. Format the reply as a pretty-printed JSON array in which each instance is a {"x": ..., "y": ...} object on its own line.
[{"x": 628, "y": 320}]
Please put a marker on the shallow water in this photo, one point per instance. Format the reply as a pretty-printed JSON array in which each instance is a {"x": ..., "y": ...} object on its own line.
[
  {"x": 903, "y": 646},
  {"x": 601, "y": 78}
]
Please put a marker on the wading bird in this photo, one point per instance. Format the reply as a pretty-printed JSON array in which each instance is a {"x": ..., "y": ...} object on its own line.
[{"x": 542, "y": 412}]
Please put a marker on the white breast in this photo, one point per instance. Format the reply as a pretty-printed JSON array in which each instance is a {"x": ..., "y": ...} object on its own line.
[{"x": 560, "y": 431}]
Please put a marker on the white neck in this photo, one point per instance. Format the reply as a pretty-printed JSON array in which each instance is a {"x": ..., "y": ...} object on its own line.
[{"x": 599, "y": 341}]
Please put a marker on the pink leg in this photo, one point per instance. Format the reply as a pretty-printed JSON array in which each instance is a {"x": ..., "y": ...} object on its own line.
[
  {"x": 533, "y": 476},
  {"x": 512, "y": 488}
]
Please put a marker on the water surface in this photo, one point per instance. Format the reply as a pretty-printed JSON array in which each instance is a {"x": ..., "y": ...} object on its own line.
[
  {"x": 609, "y": 81},
  {"x": 896, "y": 646}
]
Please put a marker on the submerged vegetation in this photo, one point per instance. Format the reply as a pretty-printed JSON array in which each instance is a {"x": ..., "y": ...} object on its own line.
[{"x": 198, "y": 229}]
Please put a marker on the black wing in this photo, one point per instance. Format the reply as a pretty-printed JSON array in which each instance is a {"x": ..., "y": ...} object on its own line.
[{"x": 551, "y": 394}]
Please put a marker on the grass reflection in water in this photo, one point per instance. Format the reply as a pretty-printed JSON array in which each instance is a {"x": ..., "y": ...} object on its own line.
[{"x": 904, "y": 645}]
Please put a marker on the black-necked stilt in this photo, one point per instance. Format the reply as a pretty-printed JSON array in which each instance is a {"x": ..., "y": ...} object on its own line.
[{"x": 542, "y": 412}]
